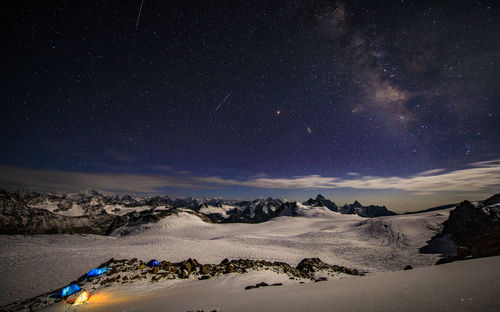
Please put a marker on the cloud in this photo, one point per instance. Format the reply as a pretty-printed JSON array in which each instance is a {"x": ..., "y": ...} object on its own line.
[
  {"x": 430, "y": 172},
  {"x": 479, "y": 176},
  {"x": 53, "y": 180}
]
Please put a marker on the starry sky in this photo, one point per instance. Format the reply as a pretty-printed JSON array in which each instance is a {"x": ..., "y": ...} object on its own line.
[{"x": 390, "y": 102}]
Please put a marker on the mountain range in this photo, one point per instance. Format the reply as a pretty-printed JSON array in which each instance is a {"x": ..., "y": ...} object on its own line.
[{"x": 27, "y": 212}]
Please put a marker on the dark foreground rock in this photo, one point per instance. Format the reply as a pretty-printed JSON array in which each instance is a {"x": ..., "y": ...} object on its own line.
[
  {"x": 262, "y": 284},
  {"x": 474, "y": 229}
]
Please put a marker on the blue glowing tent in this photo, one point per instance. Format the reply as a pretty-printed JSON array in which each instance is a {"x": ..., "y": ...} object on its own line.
[
  {"x": 153, "y": 263},
  {"x": 97, "y": 271},
  {"x": 68, "y": 290}
]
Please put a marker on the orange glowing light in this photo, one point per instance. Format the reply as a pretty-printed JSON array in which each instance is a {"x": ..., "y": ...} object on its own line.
[
  {"x": 100, "y": 298},
  {"x": 82, "y": 298}
]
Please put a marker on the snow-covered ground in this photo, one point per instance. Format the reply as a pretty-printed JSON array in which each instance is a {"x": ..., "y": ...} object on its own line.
[
  {"x": 32, "y": 265},
  {"x": 471, "y": 285}
]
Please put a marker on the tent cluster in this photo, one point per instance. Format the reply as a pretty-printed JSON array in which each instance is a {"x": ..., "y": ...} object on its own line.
[
  {"x": 85, "y": 295},
  {"x": 74, "y": 288}
]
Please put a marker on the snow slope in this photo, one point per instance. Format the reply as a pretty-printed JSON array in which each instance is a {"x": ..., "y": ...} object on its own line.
[
  {"x": 31, "y": 265},
  {"x": 471, "y": 285}
]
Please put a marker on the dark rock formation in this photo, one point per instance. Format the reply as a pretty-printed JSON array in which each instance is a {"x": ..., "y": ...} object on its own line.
[
  {"x": 370, "y": 211},
  {"x": 475, "y": 229},
  {"x": 321, "y": 202},
  {"x": 472, "y": 228},
  {"x": 321, "y": 279}
]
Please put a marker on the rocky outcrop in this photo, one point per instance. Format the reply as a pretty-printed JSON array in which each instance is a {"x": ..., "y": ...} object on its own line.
[
  {"x": 309, "y": 266},
  {"x": 127, "y": 271},
  {"x": 475, "y": 229},
  {"x": 370, "y": 211},
  {"x": 321, "y": 202},
  {"x": 471, "y": 231},
  {"x": 262, "y": 284}
]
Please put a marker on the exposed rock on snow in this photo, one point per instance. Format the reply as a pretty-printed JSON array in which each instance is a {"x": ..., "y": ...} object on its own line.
[
  {"x": 370, "y": 211},
  {"x": 474, "y": 228},
  {"x": 262, "y": 284},
  {"x": 309, "y": 266},
  {"x": 16, "y": 217},
  {"x": 321, "y": 201},
  {"x": 127, "y": 271}
]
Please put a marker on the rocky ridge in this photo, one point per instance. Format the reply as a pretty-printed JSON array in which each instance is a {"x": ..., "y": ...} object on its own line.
[
  {"x": 474, "y": 228},
  {"x": 370, "y": 211},
  {"x": 128, "y": 271}
]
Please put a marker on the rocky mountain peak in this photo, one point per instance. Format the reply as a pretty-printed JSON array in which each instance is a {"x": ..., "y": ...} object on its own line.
[{"x": 320, "y": 197}]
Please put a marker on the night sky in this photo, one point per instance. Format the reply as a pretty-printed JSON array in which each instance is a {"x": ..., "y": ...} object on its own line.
[{"x": 393, "y": 102}]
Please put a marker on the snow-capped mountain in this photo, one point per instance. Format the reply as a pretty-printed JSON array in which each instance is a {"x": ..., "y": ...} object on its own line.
[
  {"x": 321, "y": 201},
  {"x": 17, "y": 217},
  {"x": 90, "y": 211},
  {"x": 370, "y": 211}
]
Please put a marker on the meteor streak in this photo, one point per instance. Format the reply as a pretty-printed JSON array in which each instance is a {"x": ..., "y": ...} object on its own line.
[{"x": 223, "y": 101}]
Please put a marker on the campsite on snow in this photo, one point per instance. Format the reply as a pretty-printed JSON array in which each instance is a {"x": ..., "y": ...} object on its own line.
[
  {"x": 161, "y": 251},
  {"x": 250, "y": 156}
]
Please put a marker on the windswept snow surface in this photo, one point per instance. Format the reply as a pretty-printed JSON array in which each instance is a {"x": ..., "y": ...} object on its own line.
[
  {"x": 471, "y": 285},
  {"x": 31, "y": 265}
]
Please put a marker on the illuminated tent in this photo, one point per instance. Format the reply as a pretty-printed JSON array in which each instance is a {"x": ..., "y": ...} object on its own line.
[
  {"x": 97, "y": 271},
  {"x": 153, "y": 263},
  {"x": 68, "y": 290},
  {"x": 82, "y": 298}
]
